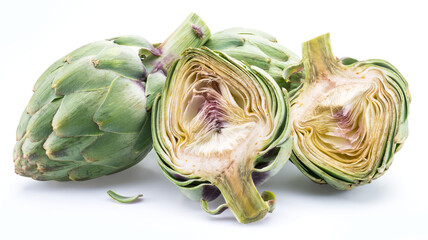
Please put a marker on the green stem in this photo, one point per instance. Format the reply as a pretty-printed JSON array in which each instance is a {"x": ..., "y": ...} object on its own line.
[
  {"x": 193, "y": 32},
  {"x": 318, "y": 58},
  {"x": 241, "y": 195}
]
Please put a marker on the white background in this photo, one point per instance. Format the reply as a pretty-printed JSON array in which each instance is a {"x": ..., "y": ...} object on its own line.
[{"x": 33, "y": 34}]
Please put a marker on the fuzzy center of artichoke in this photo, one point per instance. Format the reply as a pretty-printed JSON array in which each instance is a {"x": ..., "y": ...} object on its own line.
[
  {"x": 341, "y": 122},
  {"x": 221, "y": 121}
]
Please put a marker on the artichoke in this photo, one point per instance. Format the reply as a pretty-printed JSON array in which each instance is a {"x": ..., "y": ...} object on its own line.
[
  {"x": 89, "y": 114},
  {"x": 349, "y": 117},
  {"x": 260, "y": 49},
  {"x": 221, "y": 127}
]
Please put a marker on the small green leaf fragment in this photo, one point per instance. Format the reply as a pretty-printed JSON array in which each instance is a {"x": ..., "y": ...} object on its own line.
[{"x": 123, "y": 199}]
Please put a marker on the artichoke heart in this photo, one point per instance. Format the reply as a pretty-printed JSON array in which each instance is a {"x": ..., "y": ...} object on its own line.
[
  {"x": 349, "y": 118},
  {"x": 215, "y": 126},
  {"x": 221, "y": 123}
]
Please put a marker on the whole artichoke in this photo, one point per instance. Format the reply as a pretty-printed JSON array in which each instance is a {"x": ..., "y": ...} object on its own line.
[
  {"x": 89, "y": 114},
  {"x": 349, "y": 118},
  {"x": 260, "y": 49},
  {"x": 221, "y": 127}
]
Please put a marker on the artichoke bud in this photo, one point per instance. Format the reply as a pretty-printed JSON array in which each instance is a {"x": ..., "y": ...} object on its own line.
[
  {"x": 349, "y": 117},
  {"x": 88, "y": 116},
  {"x": 221, "y": 127},
  {"x": 259, "y": 49}
]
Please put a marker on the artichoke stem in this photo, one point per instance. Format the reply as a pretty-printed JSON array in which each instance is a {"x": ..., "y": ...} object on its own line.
[
  {"x": 318, "y": 58},
  {"x": 193, "y": 32},
  {"x": 241, "y": 195}
]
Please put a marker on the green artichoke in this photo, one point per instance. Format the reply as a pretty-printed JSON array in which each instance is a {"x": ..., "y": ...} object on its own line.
[
  {"x": 349, "y": 117},
  {"x": 89, "y": 114},
  {"x": 257, "y": 48},
  {"x": 222, "y": 127}
]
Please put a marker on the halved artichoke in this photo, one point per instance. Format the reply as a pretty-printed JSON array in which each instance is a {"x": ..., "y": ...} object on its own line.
[
  {"x": 221, "y": 127},
  {"x": 260, "y": 49},
  {"x": 89, "y": 114},
  {"x": 349, "y": 118}
]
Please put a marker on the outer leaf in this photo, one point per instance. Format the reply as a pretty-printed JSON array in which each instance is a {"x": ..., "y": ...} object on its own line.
[
  {"x": 82, "y": 76},
  {"x": 69, "y": 148},
  {"x": 122, "y": 60},
  {"x": 123, "y": 108},
  {"x": 258, "y": 49},
  {"x": 75, "y": 116},
  {"x": 39, "y": 126}
]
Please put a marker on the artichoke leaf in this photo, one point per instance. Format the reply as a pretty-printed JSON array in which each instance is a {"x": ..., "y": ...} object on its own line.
[
  {"x": 155, "y": 83},
  {"x": 75, "y": 115},
  {"x": 121, "y": 110},
  {"x": 136, "y": 41},
  {"x": 259, "y": 49}
]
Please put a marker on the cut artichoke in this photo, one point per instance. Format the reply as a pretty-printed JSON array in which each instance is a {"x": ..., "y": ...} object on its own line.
[
  {"x": 222, "y": 127},
  {"x": 88, "y": 116},
  {"x": 257, "y": 48},
  {"x": 349, "y": 118}
]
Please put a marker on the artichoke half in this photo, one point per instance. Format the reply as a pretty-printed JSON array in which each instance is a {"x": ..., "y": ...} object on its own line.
[
  {"x": 89, "y": 114},
  {"x": 349, "y": 117},
  {"x": 260, "y": 49},
  {"x": 221, "y": 127}
]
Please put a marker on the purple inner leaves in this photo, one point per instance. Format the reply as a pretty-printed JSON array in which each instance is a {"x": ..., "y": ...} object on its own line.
[
  {"x": 213, "y": 115},
  {"x": 206, "y": 105}
]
